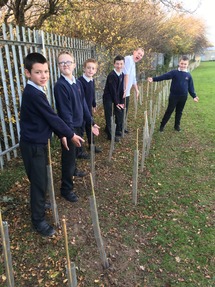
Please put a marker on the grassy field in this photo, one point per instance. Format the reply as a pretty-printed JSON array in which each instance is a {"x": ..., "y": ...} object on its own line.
[
  {"x": 182, "y": 167},
  {"x": 166, "y": 240}
]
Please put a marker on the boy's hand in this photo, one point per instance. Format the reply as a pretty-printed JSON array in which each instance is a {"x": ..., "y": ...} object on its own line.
[
  {"x": 150, "y": 80},
  {"x": 64, "y": 143},
  {"x": 196, "y": 99},
  {"x": 94, "y": 110},
  {"x": 137, "y": 94},
  {"x": 95, "y": 130},
  {"x": 120, "y": 106},
  {"x": 77, "y": 140}
]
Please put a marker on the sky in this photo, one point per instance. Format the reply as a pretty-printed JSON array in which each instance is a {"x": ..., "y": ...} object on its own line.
[{"x": 206, "y": 12}]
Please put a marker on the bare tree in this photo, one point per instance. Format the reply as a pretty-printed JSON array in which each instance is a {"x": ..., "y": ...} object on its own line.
[{"x": 29, "y": 13}]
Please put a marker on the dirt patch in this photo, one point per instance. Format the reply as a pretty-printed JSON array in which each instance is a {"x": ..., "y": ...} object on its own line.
[{"x": 41, "y": 261}]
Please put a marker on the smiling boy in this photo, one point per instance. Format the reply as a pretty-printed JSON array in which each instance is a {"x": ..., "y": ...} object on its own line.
[
  {"x": 181, "y": 85},
  {"x": 113, "y": 95},
  {"x": 90, "y": 68}
]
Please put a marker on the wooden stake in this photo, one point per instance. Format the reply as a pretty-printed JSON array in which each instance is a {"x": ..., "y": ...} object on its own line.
[
  {"x": 67, "y": 251},
  {"x": 7, "y": 264},
  {"x": 50, "y": 187},
  {"x": 92, "y": 185},
  {"x": 137, "y": 137}
]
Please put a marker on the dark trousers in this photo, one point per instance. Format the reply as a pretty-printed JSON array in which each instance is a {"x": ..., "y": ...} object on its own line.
[
  {"x": 109, "y": 110},
  {"x": 80, "y": 132},
  {"x": 118, "y": 119},
  {"x": 177, "y": 104},
  {"x": 68, "y": 165},
  {"x": 35, "y": 162},
  {"x": 90, "y": 135}
]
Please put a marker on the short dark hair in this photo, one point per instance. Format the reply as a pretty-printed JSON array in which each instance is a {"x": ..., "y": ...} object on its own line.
[
  {"x": 118, "y": 58},
  {"x": 32, "y": 59},
  {"x": 184, "y": 58}
]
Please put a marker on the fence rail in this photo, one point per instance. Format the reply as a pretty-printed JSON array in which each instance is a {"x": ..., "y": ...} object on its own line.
[{"x": 15, "y": 43}]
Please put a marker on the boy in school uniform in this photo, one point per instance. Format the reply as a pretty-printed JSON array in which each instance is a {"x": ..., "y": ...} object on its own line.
[
  {"x": 113, "y": 96},
  {"x": 37, "y": 122},
  {"x": 90, "y": 68},
  {"x": 181, "y": 85},
  {"x": 72, "y": 108}
]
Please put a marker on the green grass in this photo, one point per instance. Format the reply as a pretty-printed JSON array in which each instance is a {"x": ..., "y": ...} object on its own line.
[
  {"x": 183, "y": 164},
  {"x": 12, "y": 172}
]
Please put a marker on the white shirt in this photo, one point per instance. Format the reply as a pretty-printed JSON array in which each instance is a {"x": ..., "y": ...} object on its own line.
[
  {"x": 130, "y": 70},
  {"x": 186, "y": 70},
  {"x": 35, "y": 86},
  {"x": 118, "y": 74},
  {"x": 73, "y": 81},
  {"x": 87, "y": 78}
]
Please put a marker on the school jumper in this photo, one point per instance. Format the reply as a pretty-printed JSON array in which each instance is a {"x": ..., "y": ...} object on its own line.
[{"x": 89, "y": 93}]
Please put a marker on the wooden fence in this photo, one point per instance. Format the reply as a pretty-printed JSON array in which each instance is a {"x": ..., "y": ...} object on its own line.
[{"x": 15, "y": 44}]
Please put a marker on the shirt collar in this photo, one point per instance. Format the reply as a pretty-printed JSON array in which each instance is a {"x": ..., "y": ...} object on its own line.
[
  {"x": 73, "y": 81},
  {"x": 118, "y": 74},
  {"x": 87, "y": 78},
  {"x": 35, "y": 86},
  {"x": 183, "y": 70}
]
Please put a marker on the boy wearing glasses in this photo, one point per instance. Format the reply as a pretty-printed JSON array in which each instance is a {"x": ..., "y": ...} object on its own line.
[{"x": 72, "y": 108}]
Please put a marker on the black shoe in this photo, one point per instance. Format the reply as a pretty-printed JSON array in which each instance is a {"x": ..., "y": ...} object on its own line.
[
  {"x": 118, "y": 134},
  {"x": 44, "y": 228},
  {"x": 97, "y": 149},
  {"x": 177, "y": 128},
  {"x": 80, "y": 173},
  {"x": 161, "y": 129},
  {"x": 83, "y": 155},
  {"x": 72, "y": 197},
  {"x": 126, "y": 131},
  {"x": 116, "y": 139}
]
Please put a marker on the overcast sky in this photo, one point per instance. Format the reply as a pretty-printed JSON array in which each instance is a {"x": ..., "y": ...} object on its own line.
[{"x": 206, "y": 12}]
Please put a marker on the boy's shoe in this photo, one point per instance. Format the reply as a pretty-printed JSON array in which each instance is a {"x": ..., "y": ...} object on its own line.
[
  {"x": 177, "y": 128},
  {"x": 118, "y": 134},
  {"x": 161, "y": 129},
  {"x": 126, "y": 131},
  {"x": 116, "y": 139},
  {"x": 44, "y": 228},
  {"x": 83, "y": 155},
  {"x": 97, "y": 149},
  {"x": 71, "y": 196},
  {"x": 80, "y": 173}
]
